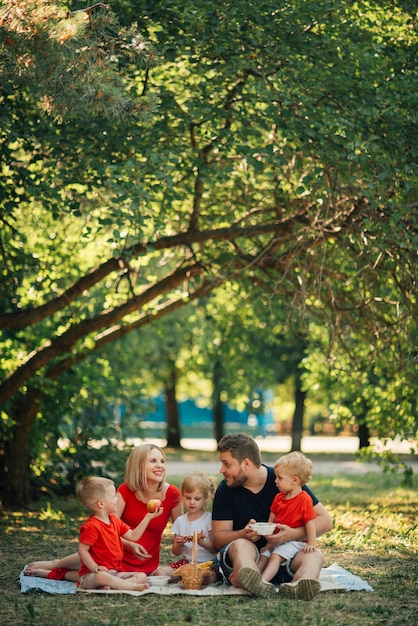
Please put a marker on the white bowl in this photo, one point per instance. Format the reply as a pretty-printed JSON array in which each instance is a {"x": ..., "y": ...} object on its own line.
[
  {"x": 263, "y": 528},
  {"x": 158, "y": 581}
]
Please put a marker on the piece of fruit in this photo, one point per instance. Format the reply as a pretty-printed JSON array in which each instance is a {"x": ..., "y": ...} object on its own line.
[{"x": 153, "y": 505}]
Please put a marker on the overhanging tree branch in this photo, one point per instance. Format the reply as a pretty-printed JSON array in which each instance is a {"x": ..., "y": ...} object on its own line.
[
  {"x": 20, "y": 318},
  {"x": 64, "y": 343}
]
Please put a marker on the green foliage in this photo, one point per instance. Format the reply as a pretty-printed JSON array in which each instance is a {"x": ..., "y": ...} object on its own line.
[
  {"x": 364, "y": 386},
  {"x": 280, "y": 161},
  {"x": 57, "y": 472},
  {"x": 390, "y": 462},
  {"x": 78, "y": 72}
]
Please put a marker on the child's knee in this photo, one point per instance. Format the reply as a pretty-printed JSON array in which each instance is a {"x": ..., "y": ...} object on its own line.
[{"x": 140, "y": 577}]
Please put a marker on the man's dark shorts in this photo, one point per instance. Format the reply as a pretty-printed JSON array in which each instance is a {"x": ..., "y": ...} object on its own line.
[{"x": 284, "y": 575}]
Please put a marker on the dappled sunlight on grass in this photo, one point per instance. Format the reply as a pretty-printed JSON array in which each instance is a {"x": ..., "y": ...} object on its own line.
[
  {"x": 384, "y": 528},
  {"x": 372, "y": 514},
  {"x": 352, "y": 489},
  {"x": 50, "y": 514}
]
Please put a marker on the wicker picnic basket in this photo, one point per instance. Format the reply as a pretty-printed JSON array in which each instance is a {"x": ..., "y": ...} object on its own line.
[{"x": 193, "y": 574}]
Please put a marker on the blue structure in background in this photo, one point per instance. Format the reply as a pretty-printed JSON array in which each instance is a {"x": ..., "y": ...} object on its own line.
[{"x": 192, "y": 415}]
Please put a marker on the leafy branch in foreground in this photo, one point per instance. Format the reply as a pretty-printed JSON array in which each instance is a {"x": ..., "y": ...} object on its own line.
[{"x": 73, "y": 60}]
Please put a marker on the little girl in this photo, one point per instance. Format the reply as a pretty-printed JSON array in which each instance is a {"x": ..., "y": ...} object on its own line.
[{"x": 197, "y": 490}]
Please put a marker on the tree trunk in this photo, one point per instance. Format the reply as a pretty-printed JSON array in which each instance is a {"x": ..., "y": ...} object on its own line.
[
  {"x": 218, "y": 407},
  {"x": 15, "y": 487},
  {"x": 363, "y": 435},
  {"x": 361, "y": 418},
  {"x": 297, "y": 421},
  {"x": 172, "y": 410},
  {"x": 218, "y": 416}
]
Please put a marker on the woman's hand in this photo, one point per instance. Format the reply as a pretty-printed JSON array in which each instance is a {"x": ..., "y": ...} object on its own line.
[{"x": 137, "y": 550}]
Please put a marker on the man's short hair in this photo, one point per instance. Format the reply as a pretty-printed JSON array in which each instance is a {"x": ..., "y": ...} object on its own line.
[{"x": 241, "y": 446}]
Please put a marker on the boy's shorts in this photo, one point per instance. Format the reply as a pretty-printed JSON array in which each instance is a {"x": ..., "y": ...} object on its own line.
[
  {"x": 286, "y": 550},
  {"x": 88, "y": 581},
  {"x": 284, "y": 575}
]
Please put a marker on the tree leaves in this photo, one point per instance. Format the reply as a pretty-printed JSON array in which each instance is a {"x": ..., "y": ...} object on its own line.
[
  {"x": 72, "y": 60},
  {"x": 280, "y": 159}
]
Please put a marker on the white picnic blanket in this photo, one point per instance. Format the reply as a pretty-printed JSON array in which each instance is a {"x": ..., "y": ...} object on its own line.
[{"x": 332, "y": 578}]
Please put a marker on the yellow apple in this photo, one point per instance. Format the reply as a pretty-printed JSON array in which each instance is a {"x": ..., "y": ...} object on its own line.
[{"x": 153, "y": 505}]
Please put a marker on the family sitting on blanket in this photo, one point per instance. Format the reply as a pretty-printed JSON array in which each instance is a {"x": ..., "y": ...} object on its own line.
[{"x": 244, "y": 496}]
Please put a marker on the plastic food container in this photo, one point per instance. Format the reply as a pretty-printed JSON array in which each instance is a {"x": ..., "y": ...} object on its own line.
[
  {"x": 263, "y": 528},
  {"x": 158, "y": 581}
]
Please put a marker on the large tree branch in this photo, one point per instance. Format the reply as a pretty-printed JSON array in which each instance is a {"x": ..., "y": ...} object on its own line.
[
  {"x": 120, "y": 330},
  {"x": 269, "y": 256},
  {"x": 21, "y": 318},
  {"x": 64, "y": 343}
]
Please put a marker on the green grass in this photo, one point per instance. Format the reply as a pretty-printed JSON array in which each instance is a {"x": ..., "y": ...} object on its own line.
[{"x": 374, "y": 536}]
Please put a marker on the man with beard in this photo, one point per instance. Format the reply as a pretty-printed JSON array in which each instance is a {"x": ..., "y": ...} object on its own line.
[{"x": 243, "y": 498}]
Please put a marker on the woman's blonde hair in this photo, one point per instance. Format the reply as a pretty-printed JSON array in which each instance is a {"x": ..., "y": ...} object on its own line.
[
  {"x": 297, "y": 464},
  {"x": 199, "y": 480},
  {"x": 136, "y": 467}
]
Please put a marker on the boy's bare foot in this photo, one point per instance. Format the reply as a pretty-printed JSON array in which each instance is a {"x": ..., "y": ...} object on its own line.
[
  {"x": 140, "y": 586},
  {"x": 48, "y": 565},
  {"x": 34, "y": 571}
]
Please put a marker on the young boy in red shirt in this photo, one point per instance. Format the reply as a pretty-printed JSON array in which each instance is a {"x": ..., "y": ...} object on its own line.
[
  {"x": 292, "y": 507},
  {"x": 100, "y": 548}
]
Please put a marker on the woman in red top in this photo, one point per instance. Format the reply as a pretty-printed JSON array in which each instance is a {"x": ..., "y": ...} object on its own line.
[{"x": 144, "y": 480}]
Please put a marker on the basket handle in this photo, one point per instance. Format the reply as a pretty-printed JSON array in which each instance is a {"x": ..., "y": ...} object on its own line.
[{"x": 194, "y": 548}]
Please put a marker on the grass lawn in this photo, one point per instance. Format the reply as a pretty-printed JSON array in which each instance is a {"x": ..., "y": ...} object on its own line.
[{"x": 374, "y": 536}]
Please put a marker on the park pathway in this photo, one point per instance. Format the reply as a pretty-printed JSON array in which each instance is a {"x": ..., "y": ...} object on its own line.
[
  {"x": 281, "y": 445},
  {"x": 179, "y": 468}
]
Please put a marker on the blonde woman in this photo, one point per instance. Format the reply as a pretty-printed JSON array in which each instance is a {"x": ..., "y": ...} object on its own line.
[{"x": 145, "y": 480}]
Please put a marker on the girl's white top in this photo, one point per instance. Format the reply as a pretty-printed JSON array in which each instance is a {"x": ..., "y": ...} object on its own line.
[{"x": 183, "y": 527}]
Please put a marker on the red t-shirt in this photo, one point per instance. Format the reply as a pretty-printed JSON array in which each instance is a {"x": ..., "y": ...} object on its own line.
[
  {"x": 294, "y": 512},
  {"x": 104, "y": 541},
  {"x": 134, "y": 512}
]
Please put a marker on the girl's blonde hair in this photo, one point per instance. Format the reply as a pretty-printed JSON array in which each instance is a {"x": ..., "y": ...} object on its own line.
[
  {"x": 199, "y": 480},
  {"x": 91, "y": 489},
  {"x": 136, "y": 467},
  {"x": 296, "y": 464}
]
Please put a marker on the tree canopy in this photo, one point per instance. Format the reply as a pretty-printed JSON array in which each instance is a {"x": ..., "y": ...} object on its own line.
[{"x": 281, "y": 157}]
